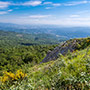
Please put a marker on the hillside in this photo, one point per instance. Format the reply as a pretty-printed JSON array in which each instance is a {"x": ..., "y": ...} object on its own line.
[
  {"x": 8, "y": 38},
  {"x": 68, "y": 72},
  {"x": 70, "y": 45}
]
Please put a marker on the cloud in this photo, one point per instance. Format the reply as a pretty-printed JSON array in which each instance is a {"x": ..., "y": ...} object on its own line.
[
  {"x": 39, "y": 16},
  {"x": 67, "y": 4},
  {"x": 48, "y": 8},
  {"x": 51, "y": 3},
  {"x": 79, "y": 19},
  {"x": 3, "y": 12},
  {"x": 36, "y": 19},
  {"x": 46, "y": 3},
  {"x": 83, "y": 12},
  {"x": 4, "y": 4},
  {"x": 40, "y": 2},
  {"x": 10, "y": 10},
  {"x": 36, "y": 16},
  {"x": 57, "y": 4},
  {"x": 76, "y": 3},
  {"x": 31, "y": 3},
  {"x": 74, "y": 16}
]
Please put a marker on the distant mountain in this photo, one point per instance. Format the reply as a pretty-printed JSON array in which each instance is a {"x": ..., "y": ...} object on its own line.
[{"x": 67, "y": 32}]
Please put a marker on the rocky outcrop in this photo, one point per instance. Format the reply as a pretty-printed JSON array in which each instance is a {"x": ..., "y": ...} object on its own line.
[{"x": 70, "y": 45}]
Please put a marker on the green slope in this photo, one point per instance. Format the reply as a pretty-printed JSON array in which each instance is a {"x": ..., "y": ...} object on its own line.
[
  {"x": 69, "y": 72},
  {"x": 17, "y": 39}
]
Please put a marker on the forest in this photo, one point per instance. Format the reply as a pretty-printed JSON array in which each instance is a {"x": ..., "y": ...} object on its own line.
[
  {"x": 18, "y": 49},
  {"x": 21, "y": 67},
  {"x": 8, "y": 38}
]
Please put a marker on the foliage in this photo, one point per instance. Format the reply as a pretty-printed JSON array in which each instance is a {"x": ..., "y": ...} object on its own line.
[
  {"x": 16, "y": 57},
  {"x": 8, "y": 39},
  {"x": 69, "y": 72},
  {"x": 9, "y": 78},
  {"x": 64, "y": 73}
]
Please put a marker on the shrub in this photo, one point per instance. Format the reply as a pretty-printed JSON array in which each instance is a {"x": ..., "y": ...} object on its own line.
[{"x": 10, "y": 77}]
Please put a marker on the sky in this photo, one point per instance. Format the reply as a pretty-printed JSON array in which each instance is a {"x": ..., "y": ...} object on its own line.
[{"x": 53, "y": 12}]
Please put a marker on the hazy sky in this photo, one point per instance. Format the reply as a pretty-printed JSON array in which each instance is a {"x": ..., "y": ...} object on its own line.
[{"x": 59, "y": 12}]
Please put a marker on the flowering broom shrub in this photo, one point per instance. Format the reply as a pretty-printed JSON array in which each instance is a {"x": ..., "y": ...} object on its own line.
[{"x": 10, "y": 77}]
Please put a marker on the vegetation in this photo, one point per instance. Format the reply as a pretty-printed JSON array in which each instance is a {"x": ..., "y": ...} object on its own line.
[
  {"x": 69, "y": 72},
  {"x": 9, "y": 76},
  {"x": 20, "y": 39},
  {"x": 20, "y": 67},
  {"x": 16, "y": 57}
]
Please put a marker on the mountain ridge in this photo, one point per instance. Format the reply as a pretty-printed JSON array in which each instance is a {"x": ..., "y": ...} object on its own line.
[
  {"x": 66, "y": 32},
  {"x": 70, "y": 45}
]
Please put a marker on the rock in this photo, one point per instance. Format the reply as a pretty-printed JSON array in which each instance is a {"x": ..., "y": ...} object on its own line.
[{"x": 63, "y": 49}]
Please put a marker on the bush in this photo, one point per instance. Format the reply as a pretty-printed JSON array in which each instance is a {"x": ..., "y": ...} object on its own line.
[{"x": 9, "y": 78}]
